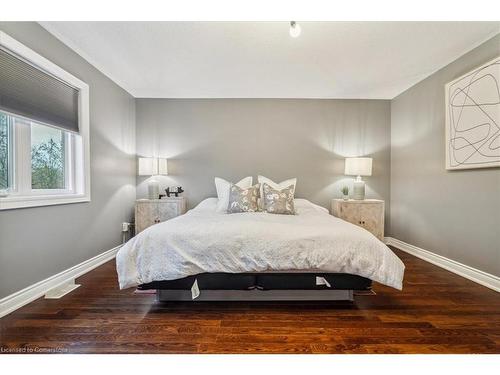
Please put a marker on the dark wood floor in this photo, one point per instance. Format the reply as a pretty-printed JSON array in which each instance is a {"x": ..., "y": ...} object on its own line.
[{"x": 437, "y": 312}]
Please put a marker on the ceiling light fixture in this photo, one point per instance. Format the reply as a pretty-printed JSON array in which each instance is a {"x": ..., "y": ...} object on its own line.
[{"x": 294, "y": 29}]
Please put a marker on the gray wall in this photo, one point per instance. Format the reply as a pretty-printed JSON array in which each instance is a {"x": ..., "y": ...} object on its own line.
[
  {"x": 36, "y": 243},
  {"x": 452, "y": 213},
  {"x": 278, "y": 138}
]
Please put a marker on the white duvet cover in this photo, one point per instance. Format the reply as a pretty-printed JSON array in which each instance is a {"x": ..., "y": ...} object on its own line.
[{"x": 203, "y": 240}]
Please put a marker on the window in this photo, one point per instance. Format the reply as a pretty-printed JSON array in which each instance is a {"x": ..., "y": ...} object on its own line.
[
  {"x": 49, "y": 153},
  {"x": 5, "y": 149},
  {"x": 44, "y": 142},
  {"x": 48, "y": 158}
]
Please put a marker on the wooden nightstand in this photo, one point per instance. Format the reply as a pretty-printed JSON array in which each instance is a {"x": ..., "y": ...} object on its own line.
[
  {"x": 153, "y": 211},
  {"x": 368, "y": 214}
]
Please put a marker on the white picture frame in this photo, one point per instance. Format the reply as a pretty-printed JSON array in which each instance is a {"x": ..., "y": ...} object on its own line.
[{"x": 472, "y": 126}]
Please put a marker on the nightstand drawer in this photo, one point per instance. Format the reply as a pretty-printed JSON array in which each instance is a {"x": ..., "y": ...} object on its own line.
[
  {"x": 347, "y": 212},
  {"x": 153, "y": 211},
  {"x": 368, "y": 214},
  {"x": 168, "y": 210}
]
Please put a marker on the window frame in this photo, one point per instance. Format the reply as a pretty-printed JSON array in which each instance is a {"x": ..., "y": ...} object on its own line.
[
  {"x": 10, "y": 154},
  {"x": 79, "y": 191}
]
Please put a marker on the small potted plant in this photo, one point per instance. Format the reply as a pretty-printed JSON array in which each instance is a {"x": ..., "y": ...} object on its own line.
[{"x": 345, "y": 192}]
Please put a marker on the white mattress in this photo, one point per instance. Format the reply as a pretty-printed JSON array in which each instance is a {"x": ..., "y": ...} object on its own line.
[{"x": 206, "y": 241}]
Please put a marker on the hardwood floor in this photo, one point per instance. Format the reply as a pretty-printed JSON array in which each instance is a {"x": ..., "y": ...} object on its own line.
[{"x": 437, "y": 312}]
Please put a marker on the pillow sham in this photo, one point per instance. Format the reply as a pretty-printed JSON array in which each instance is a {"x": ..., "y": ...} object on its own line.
[
  {"x": 278, "y": 201},
  {"x": 243, "y": 200},
  {"x": 278, "y": 186},
  {"x": 222, "y": 186}
]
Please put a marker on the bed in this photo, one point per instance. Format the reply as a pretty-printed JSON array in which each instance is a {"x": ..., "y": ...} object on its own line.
[{"x": 206, "y": 255}]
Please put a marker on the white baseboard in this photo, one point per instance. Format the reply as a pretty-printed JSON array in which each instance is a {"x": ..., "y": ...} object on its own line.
[
  {"x": 31, "y": 293},
  {"x": 473, "y": 274}
]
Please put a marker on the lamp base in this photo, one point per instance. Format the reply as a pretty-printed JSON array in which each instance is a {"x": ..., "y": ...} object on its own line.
[
  {"x": 358, "y": 189},
  {"x": 153, "y": 189}
]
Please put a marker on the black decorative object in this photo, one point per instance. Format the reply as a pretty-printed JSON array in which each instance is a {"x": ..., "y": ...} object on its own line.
[{"x": 174, "y": 190}]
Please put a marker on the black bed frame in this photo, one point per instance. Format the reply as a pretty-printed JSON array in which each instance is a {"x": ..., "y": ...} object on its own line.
[{"x": 260, "y": 287}]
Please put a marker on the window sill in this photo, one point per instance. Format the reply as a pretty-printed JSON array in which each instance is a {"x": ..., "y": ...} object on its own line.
[{"x": 13, "y": 202}]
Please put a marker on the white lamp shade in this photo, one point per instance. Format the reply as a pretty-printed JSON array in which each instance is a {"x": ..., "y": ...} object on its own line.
[
  {"x": 148, "y": 167},
  {"x": 358, "y": 166},
  {"x": 162, "y": 166}
]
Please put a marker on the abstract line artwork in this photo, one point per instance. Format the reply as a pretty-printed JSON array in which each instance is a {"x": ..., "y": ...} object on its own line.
[{"x": 473, "y": 118}]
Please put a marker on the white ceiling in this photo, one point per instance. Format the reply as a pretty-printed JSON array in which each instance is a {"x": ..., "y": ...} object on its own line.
[{"x": 376, "y": 60}]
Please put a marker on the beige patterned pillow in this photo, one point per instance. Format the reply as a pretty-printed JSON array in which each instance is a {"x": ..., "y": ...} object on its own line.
[
  {"x": 278, "y": 201},
  {"x": 243, "y": 200}
]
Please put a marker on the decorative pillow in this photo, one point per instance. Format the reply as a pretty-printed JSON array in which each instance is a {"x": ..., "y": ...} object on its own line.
[
  {"x": 278, "y": 201},
  {"x": 243, "y": 200},
  {"x": 222, "y": 186},
  {"x": 278, "y": 186}
]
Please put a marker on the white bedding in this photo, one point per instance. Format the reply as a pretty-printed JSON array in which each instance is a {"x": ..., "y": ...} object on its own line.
[{"x": 206, "y": 241}]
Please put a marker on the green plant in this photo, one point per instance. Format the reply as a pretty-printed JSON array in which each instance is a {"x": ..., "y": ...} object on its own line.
[{"x": 345, "y": 190}]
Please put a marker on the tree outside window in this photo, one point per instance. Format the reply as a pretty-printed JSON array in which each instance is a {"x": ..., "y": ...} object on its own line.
[{"x": 47, "y": 157}]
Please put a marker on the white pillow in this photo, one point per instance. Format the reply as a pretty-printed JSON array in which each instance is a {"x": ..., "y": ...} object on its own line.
[
  {"x": 303, "y": 206},
  {"x": 282, "y": 185},
  {"x": 208, "y": 204},
  {"x": 222, "y": 186}
]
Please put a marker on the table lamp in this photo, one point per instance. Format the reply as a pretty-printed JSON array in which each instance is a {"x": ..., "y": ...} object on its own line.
[
  {"x": 153, "y": 167},
  {"x": 358, "y": 167}
]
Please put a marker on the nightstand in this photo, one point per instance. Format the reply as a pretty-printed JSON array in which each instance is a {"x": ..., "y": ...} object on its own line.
[
  {"x": 367, "y": 213},
  {"x": 153, "y": 211}
]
